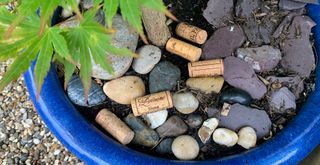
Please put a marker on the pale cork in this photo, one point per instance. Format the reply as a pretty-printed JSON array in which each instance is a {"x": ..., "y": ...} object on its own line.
[
  {"x": 115, "y": 126},
  {"x": 151, "y": 103},
  {"x": 191, "y": 33},
  {"x": 206, "y": 68},
  {"x": 184, "y": 50}
]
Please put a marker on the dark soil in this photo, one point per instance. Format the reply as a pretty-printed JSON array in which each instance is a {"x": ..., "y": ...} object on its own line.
[{"x": 191, "y": 11}]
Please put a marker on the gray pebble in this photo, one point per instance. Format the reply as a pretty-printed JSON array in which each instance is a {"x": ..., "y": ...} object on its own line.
[
  {"x": 164, "y": 77},
  {"x": 144, "y": 135},
  {"x": 165, "y": 146}
]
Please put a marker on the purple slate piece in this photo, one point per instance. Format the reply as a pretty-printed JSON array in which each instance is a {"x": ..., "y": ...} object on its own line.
[
  {"x": 297, "y": 49},
  {"x": 240, "y": 116},
  {"x": 282, "y": 100},
  {"x": 223, "y": 42},
  {"x": 295, "y": 84},
  {"x": 240, "y": 74},
  {"x": 291, "y": 5},
  {"x": 308, "y": 1},
  {"x": 219, "y": 13}
]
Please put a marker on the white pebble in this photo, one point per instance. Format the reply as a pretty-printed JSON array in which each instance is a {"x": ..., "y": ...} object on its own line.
[
  {"x": 36, "y": 141},
  {"x": 185, "y": 103},
  {"x": 185, "y": 147},
  {"x": 207, "y": 129},
  {"x": 149, "y": 56},
  {"x": 156, "y": 119},
  {"x": 247, "y": 137},
  {"x": 56, "y": 152},
  {"x": 225, "y": 137}
]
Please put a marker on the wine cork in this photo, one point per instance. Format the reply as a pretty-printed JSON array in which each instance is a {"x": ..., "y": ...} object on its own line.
[
  {"x": 151, "y": 103},
  {"x": 206, "y": 68},
  {"x": 191, "y": 33},
  {"x": 184, "y": 50},
  {"x": 115, "y": 126}
]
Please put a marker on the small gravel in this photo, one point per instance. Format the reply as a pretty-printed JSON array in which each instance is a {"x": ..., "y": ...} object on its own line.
[{"x": 24, "y": 138}]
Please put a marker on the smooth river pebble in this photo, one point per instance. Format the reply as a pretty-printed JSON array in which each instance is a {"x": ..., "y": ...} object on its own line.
[
  {"x": 149, "y": 56},
  {"x": 185, "y": 147},
  {"x": 206, "y": 84},
  {"x": 124, "y": 89},
  {"x": 185, "y": 103}
]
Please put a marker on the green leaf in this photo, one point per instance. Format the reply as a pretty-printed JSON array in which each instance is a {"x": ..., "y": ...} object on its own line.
[
  {"x": 110, "y": 10},
  {"x": 8, "y": 51},
  {"x": 131, "y": 12},
  {"x": 85, "y": 65},
  {"x": 59, "y": 42},
  {"x": 43, "y": 62},
  {"x": 20, "y": 64},
  {"x": 154, "y": 4}
]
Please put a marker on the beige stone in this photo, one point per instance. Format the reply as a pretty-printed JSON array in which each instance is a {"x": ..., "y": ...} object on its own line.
[
  {"x": 207, "y": 84},
  {"x": 124, "y": 89},
  {"x": 185, "y": 147}
]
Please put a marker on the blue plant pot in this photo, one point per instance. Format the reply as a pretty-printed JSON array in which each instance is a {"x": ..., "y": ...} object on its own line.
[{"x": 290, "y": 146}]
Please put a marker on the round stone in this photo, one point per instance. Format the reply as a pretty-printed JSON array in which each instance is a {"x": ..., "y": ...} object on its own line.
[
  {"x": 247, "y": 137},
  {"x": 149, "y": 56},
  {"x": 185, "y": 103},
  {"x": 125, "y": 89},
  {"x": 185, "y": 147},
  {"x": 235, "y": 95},
  {"x": 225, "y": 137}
]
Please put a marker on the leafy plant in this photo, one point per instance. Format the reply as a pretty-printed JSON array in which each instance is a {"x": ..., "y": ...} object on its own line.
[{"x": 25, "y": 37}]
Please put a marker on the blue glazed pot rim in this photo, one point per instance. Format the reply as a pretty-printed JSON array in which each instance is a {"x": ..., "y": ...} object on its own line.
[{"x": 290, "y": 146}]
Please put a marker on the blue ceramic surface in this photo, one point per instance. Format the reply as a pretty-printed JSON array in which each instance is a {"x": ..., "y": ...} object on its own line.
[{"x": 290, "y": 146}]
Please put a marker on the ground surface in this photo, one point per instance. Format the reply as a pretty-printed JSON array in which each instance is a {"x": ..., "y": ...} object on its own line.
[{"x": 24, "y": 138}]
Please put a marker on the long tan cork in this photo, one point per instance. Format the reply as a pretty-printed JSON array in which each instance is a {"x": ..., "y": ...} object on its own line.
[
  {"x": 206, "y": 68},
  {"x": 151, "y": 103},
  {"x": 115, "y": 126},
  {"x": 191, "y": 33},
  {"x": 184, "y": 50}
]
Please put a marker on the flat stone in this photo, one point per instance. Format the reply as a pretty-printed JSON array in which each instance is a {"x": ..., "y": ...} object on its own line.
[
  {"x": 285, "y": 23},
  {"x": 173, "y": 127},
  {"x": 219, "y": 13},
  {"x": 149, "y": 56},
  {"x": 206, "y": 85},
  {"x": 294, "y": 46},
  {"x": 296, "y": 83},
  {"x": 282, "y": 100},
  {"x": 207, "y": 129},
  {"x": 165, "y": 146},
  {"x": 124, "y": 89},
  {"x": 185, "y": 147},
  {"x": 246, "y": 8},
  {"x": 156, "y": 119},
  {"x": 223, "y": 42},
  {"x": 240, "y": 74},
  {"x": 75, "y": 93},
  {"x": 125, "y": 37},
  {"x": 308, "y": 1},
  {"x": 185, "y": 103},
  {"x": 291, "y": 5},
  {"x": 143, "y": 135},
  {"x": 164, "y": 77},
  {"x": 262, "y": 59},
  {"x": 240, "y": 116}
]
